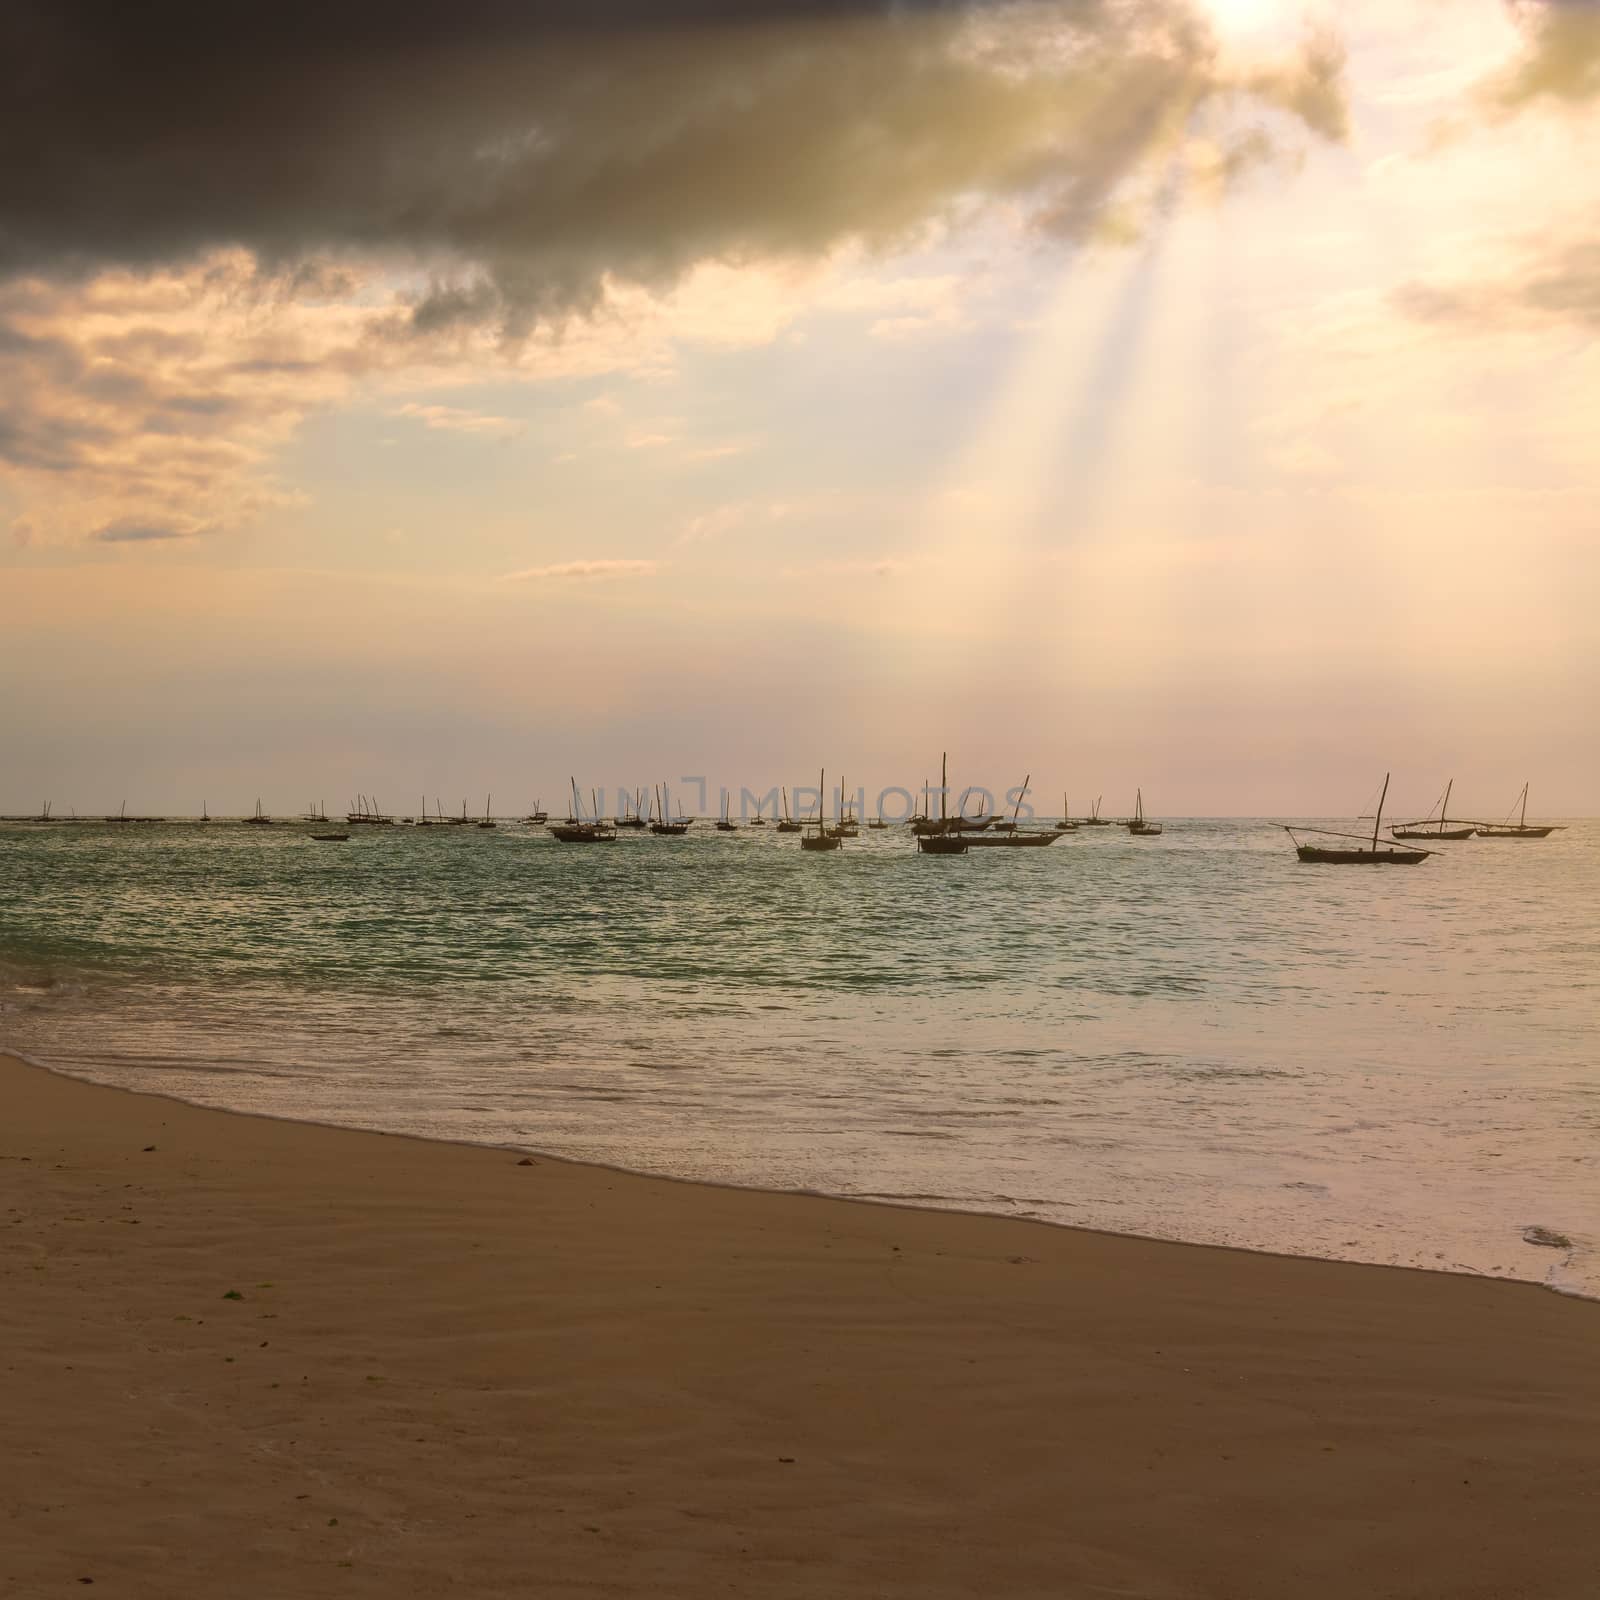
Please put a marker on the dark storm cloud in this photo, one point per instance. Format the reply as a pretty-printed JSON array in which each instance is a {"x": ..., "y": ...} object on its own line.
[{"x": 523, "y": 152}]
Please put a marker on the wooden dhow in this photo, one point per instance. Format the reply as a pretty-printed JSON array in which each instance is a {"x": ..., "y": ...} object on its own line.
[
  {"x": 1137, "y": 824},
  {"x": 1010, "y": 835},
  {"x": 1521, "y": 828},
  {"x": 1431, "y": 827},
  {"x": 824, "y": 838},
  {"x": 940, "y": 839},
  {"x": 1370, "y": 854},
  {"x": 578, "y": 829}
]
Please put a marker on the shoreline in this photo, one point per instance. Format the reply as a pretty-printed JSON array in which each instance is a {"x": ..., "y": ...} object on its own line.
[
  {"x": 454, "y": 1369},
  {"x": 727, "y": 1185}
]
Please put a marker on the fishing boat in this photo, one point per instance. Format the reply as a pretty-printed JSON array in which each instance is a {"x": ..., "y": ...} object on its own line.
[
  {"x": 937, "y": 838},
  {"x": 488, "y": 821},
  {"x": 634, "y": 818},
  {"x": 825, "y": 838},
  {"x": 1008, "y": 835},
  {"x": 260, "y": 819},
  {"x": 847, "y": 827},
  {"x": 538, "y": 816},
  {"x": 1066, "y": 824},
  {"x": 724, "y": 825},
  {"x": 577, "y": 829},
  {"x": 786, "y": 823},
  {"x": 1521, "y": 828},
  {"x": 367, "y": 812},
  {"x": 330, "y": 838},
  {"x": 1431, "y": 827},
  {"x": 1136, "y": 824},
  {"x": 758, "y": 821},
  {"x": 661, "y": 825},
  {"x": 1370, "y": 854},
  {"x": 877, "y": 823},
  {"x": 1094, "y": 819},
  {"x": 205, "y": 816}
]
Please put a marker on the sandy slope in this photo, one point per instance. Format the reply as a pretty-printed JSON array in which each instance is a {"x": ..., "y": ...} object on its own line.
[{"x": 453, "y": 1374}]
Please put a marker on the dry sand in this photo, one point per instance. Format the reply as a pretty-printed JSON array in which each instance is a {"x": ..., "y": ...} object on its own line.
[{"x": 451, "y": 1374}]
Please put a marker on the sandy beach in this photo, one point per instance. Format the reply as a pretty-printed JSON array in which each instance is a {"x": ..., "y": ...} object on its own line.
[{"x": 254, "y": 1358}]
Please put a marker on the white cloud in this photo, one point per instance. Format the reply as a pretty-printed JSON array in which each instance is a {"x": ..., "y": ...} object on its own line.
[
  {"x": 452, "y": 419},
  {"x": 579, "y": 571}
]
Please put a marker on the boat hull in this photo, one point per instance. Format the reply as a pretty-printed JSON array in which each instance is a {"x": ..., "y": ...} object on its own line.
[
  {"x": 821, "y": 841},
  {"x": 944, "y": 844},
  {"x": 1514, "y": 833},
  {"x": 1010, "y": 841},
  {"x": 1382, "y": 856},
  {"x": 1431, "y": 833}
]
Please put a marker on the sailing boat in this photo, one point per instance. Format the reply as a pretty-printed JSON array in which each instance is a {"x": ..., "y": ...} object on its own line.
[
  {"x": 1094, "y": 819},
  {"x": 577, "y": 830},
  {"x": 847, "y": 826},
  {"x": 488, "y": 821},
  {"x": 635, "y": 819},
  {"x": 723, "y": 824},
  {"x": 786, "y": 823},
  {"x": 661, "y": 824},
  {"x": 260, "y": 819},
  {"x": 825, "y": 838},
  {"x": 205, "y": 816},
  {"x": 937, "y": 838},
  {"x": 1431, "y": 827},
  {"x": 1066, "y": 824},
  {"x": 1370, "y": 854},
  {"x": 1136, "y": 825},
  {"x": 1009, "y": 834},
  {"x": 1519, "y": 829},
  {"x": 879, "y": 822},
  {"x": 758, "y": 821}
]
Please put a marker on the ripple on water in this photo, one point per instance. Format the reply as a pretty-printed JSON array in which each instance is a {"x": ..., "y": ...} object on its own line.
[{"x": 1200, "y": 1041}]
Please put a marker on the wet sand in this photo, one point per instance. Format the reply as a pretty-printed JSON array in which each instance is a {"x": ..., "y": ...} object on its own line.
[{"x": 264, "y": 1359}]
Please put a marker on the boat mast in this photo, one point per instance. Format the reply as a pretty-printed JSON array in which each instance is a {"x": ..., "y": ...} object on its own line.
[
  {"x": 1444, "y": 810},
  {"x": 1377, "y": 821},
  {"x": 1522, "y": 821},
  {"x": 1018, "y": 806}
]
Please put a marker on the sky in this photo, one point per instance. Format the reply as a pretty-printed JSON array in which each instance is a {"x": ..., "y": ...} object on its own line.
[{"x": 405, "y": 400}]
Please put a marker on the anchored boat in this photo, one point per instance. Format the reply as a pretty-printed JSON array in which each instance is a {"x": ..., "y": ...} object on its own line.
[
  {"x": 1137, "y": 825},
  {"x": 825, "y": 838},
  {"x": 1521, "y": 828},
  {"x": 1371, "y": 854},
  {"x": 938, "y": 838},
  {"x": 579, "y": 830}
]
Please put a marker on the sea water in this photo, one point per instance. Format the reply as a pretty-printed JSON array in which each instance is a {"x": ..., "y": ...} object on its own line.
[{"x": 1193, "y": 1036}]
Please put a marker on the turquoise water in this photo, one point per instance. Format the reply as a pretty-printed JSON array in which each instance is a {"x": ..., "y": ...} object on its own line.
[{"x": 1192, "y": 1036}]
